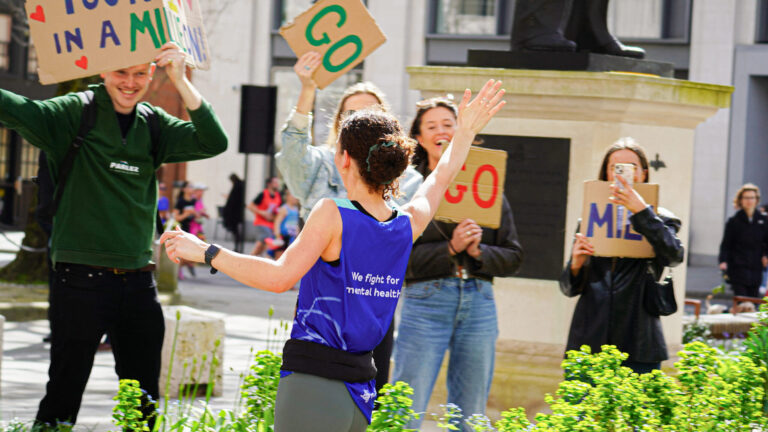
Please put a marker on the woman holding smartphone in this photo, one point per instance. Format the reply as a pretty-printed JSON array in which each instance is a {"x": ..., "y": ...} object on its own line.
[{"x": 610, "y": 309}]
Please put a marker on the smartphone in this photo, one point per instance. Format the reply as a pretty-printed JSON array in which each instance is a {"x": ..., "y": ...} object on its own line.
[{"x": 625, "y": 170}]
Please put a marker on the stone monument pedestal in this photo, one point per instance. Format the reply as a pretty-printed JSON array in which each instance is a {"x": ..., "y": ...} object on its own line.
[
  {"x": 556, "y": 126},
  {"x": 199, "y": 338}
]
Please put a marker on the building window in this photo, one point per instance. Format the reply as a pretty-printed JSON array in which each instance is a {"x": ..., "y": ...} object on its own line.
[
  {"x": 650, "y": 19},
  {"x": 291, "y": 9},
  {"x": 287, "y": 10},
  {"x": 31, "y": 60},
  {"x": 5, "y": 143},
  {"x": 761, "y": 35},
  {"x": 5, "y": 41},
  {"x": 29, "y": 160},
  {"x": 476, "y": 17},
  {"x": 634, "y": 19}
]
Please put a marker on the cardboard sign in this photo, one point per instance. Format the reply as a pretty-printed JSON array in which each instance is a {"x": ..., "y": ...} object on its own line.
[
  {"x": 79, "y": 38},
  {"x": 478, "y": 190},
  {"x": 342, "y": 31},
  {"x": 607, "y": 225}
]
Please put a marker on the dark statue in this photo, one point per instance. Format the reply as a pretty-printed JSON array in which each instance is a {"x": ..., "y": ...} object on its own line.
[{"x": 566, "y": 26}]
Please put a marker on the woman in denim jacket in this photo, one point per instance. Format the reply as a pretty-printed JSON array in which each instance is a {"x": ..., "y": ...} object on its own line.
[{"x": 310, "y": 173}]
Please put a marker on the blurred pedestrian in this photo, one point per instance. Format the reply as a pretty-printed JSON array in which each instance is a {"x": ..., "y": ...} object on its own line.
[
  {"x": 201, "y": 213},
  {"x": 744, "y": 247},
  {"x": 184, "y": 213},
  {"x": 232, "y": 213},
  {"x": 264, "y": 208},
  {"x": 286, "y": 224},
  {"x": 163, "y": 204}
]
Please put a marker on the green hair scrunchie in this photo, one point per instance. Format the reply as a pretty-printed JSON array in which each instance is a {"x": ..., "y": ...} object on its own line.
[{"x": 370, "y": 152}]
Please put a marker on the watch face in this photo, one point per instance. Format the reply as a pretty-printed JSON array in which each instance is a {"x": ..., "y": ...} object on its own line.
[{"x": 211, "y": 253}]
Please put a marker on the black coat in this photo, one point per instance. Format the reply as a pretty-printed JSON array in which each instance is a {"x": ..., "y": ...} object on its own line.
[
  {"x": 232, "y": 213},
  {"x": 610, "y": 310},
  {"x": 743, "y": 246},
  {"x": 501, "y": 252}
]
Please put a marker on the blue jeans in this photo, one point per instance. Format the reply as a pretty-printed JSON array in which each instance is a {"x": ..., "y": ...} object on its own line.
[{"x": 454, "y": 315}]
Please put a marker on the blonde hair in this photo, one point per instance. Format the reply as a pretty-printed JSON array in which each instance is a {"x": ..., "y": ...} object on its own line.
[
  {"x": 365, "y": 87},
  {"x": 747, "y": 187}
]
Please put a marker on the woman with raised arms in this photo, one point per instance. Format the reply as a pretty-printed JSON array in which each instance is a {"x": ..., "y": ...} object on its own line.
[{"x": 351, "y": 258}]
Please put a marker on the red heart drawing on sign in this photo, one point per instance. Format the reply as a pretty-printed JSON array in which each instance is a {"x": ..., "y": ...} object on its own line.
[
  {"x": 189, "y": 2},
  {"x": 38, "y": 14},
  {"x": 83, "y": 62}
]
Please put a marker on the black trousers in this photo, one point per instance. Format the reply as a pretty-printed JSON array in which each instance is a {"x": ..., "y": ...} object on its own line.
[
  {"x": 85, "y": 304},
  {"x": 746, "y": 290}
]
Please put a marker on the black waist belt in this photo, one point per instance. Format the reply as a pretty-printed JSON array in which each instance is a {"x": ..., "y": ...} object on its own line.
[{"x": 324, "y": 361}]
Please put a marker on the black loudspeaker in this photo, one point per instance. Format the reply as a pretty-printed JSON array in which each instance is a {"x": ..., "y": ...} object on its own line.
[{"x": 257, "y": 119}]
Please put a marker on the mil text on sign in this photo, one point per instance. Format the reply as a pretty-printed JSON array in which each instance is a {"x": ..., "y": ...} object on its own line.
[{"x": 607, "y": 225}]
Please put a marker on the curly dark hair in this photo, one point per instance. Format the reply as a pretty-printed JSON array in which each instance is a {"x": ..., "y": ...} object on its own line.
[
  {"x": 420, "y": 156},
  {"x": 376, "y": 142}
]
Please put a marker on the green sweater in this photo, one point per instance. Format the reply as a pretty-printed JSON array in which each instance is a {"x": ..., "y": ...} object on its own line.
[{"x": 107, "y": 212}]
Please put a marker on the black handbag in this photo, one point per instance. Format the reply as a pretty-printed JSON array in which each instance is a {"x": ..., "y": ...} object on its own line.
[{"x": 659, "y": 297}]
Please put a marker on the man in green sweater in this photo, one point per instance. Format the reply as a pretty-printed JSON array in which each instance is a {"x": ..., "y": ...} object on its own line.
[{"x": 103, "y": 230}]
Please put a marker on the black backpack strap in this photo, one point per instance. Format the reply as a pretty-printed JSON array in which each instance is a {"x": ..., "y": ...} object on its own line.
[
  {"x": 87, "y": 121},
  {"x": 153, "y": 122}
]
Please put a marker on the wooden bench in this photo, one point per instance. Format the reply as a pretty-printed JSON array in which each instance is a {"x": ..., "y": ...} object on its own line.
[{"x": 725, "y": 325}]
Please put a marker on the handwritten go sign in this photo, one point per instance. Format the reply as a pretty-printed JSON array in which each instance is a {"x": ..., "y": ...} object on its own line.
[
  {"x": 342, "y": 31},
  {"x": 478, "y": 190},
  {"x": 79, "y": 38}
]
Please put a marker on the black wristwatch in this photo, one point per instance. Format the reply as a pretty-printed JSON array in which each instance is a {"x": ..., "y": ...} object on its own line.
[{"x": 210, "y": 254}]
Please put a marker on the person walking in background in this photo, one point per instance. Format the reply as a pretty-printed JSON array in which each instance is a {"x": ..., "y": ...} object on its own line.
[
  {"x": 611, "y": 290},
  {"x": 184, "y": 208},
  {"x": 184, "y": 213},
  {"x": 448, "y": 301},
  {"x": 327, "y": 376},
  {"x": 232, "y": 212},
  {"x": 163, "y": 204},
  {"x": 104, "y": 226},
  {"x": 310, "y": 173},
  {"x": 744, "y": 248},
  {"x": 201, "y": 213},
  {"x": 264, "y": 208},
  {"x": 286, "y": 224}
]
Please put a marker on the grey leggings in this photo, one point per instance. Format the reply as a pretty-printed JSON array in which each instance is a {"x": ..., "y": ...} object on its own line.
[{"x": 311, "y": 403}]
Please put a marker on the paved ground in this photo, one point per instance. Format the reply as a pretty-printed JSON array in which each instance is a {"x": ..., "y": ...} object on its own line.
[{"x": 245, "y": 311}]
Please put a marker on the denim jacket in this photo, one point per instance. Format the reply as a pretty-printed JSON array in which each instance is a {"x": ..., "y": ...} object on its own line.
[{"x": 310, "y": 173}]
